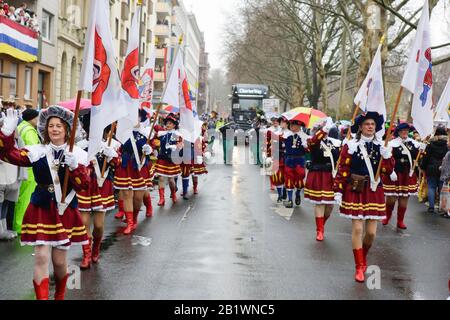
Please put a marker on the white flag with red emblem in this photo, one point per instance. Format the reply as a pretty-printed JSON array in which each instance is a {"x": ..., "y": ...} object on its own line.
[
  {"x": 99, "y": 75},
  {"x": 418, "y": 78},
  {"x": 130, "y": 83},
  {"x": 370, "y": 96},
  {"x": 177, "y": 95}
]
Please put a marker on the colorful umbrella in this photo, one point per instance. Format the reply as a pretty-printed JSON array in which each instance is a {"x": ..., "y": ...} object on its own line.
[
  {"x": 71, "y": 104},
  {"x": 308, "y": 116}
]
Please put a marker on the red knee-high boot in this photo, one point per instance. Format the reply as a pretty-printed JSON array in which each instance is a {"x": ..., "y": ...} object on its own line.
[
  {"x": 96, "y": 249},
  {"x": 400, "y": 218},
  {"x": 389, "y": 209},
  {"x": 195, "y": 182},
  {"x": 119, "y": 215},
  {"x": 130, "y": 223},
  {"x": 320, "y": 223},
  {"x": 60, "y": 291},
  {"x": 173, "y": 193},
  {"x": 365, "y": 252},
  {"x": 358, "y": 254},
  {"x": 135, "y": 219},
  {"x": 148, "y": 205},
  {"x": 41, "y": 290},
  {"x": 87, "y": 256},
  {"x": 162, "y": 200}
]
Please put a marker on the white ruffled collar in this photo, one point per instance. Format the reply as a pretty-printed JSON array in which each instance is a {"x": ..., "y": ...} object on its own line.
[
  {"x": 367, "y": 139},
  {"x": 57, "y": 148}
]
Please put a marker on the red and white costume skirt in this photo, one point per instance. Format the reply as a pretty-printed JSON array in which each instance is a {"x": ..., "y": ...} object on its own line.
[
  {"x": 294, "y": 177},
  {"x": 46, "y": 227},
  {"x": 319, "y": 187},
  {"x": 405, "y": 186},
  {"x": 186, "y": 170},
  {"x": 277, "y": 178},
  {"x": 367, "y": 205},
  {"x": 90, "y": 200},
  {"x": 199, "y": 169},
  {"x": 107, "y": 193},
  {"x": 129, "y": 178},
  {"x": 164, "y": 168},
  {"x": 147, "y": 176}
]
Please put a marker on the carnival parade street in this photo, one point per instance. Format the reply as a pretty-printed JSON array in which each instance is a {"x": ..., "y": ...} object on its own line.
[{"x": 232, "y": 241}]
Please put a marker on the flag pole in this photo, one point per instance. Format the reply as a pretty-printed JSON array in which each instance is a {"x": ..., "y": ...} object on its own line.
[
  {"x": 158, "y": 110},
  {"x": 71, "y": 144},
  {"x": 110, "y": 136},
  {"x": 349, "y": 132},
  {"x": 391, "y": 127}
]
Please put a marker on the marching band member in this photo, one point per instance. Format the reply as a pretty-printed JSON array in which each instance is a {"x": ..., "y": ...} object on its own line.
[
  {"x": 50, "y": 226},
  {"x": 294, "y": 170},
  {"x": 275, "y": 143},
  {"x": 402, "y": 183},
  {"x": 319, "y": 183},
  {"x": 132, "y": 176},
  {"x": 170, "y": 142},
  {"x": 97, "y": 199},
  {"x": 360, "y": 197}
]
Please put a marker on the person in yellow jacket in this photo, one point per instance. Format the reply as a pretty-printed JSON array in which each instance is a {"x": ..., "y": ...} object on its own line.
[{"x": 27, "y": 136}]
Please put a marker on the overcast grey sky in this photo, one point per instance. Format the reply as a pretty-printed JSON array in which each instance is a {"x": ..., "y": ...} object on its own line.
[{"x": 211, "y": 17}]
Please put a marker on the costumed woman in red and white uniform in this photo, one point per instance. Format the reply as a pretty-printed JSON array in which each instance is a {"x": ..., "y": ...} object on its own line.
[
  {"x": 275, "y": 155},
  {"x": 296, "y": 145},
  {"x": 402, "y": 183},
  {"x": 96, "y": 200},
  {"x": 272, "y": 135},
  {"x": 324, "y": 152},
  {"x": 50, "y": 226},
  {"x": 360, "y": 197},
  {"x": 132, "y": 176},
  {"x": 170, "y": 145},
  {"x": 201, "y": 155}
]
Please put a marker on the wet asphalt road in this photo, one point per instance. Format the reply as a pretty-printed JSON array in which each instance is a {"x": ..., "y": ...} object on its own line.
[{"x": 233, "y": 241}]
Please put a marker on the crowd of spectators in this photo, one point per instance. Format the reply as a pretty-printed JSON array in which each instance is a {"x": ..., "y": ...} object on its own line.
[{"x": 22, "y": 15}]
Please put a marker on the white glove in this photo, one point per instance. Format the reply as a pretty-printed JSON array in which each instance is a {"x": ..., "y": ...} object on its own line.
[
  {"x": 147, "y": 150},
  {"x": 393, "y": 176},
  {"x": 328, "y": 125},
  {"x": 422, "y": 147},
  {"x": 208, "y": 155},
  {"x": 199, "y": 160},
  {"x": 70, "y": 160},
  {"x": 268, "y": 162},
  {"x": 10, "y": 121},
  {"x": 386, "y": 153},
  {"x": 338, "y": 198},
  {"x": 110, "y": 153}
]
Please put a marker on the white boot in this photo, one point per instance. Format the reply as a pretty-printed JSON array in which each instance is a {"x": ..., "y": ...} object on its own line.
[
  {"x": 4, "y": 234},
  {"x": 11, "y": 233}
]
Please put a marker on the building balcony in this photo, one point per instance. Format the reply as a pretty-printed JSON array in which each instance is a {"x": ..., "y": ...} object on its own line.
[
  {"x": 162, "y": 30},
  {"x": 163, "y": 8},
  {"x": 159, "y": 77},
  {"x": 160, "y": 53}
]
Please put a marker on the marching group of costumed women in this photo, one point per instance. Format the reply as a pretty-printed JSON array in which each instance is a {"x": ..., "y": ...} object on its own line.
[
  {"x": 52, "y": 227},
  {"x": 345, "y": 173}
]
